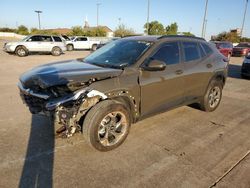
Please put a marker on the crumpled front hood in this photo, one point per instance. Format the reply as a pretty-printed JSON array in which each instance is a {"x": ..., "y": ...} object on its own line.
[{"x": 64, "y": 72}]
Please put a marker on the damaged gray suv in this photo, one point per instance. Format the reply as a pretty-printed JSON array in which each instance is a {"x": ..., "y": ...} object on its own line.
[{"x": 123, "y": 82}]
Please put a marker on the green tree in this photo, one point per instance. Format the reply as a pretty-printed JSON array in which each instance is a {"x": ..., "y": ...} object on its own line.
[
  {"x": 95, "y": 32},
  {"x": 172, "y": 29},
  {"x": 123, "y": 31},
  {"x": 34, "y": 31},
  {"x": 6, "y": 29},
  {"x": 245, "y": 39},
  {"x": 77, "y": 31},
  {"x": 155, "y": 28},
  {"x": 188, "y": 34},
  {"x": 227, "y": 36},
  {"x": 22, "y": 30}
]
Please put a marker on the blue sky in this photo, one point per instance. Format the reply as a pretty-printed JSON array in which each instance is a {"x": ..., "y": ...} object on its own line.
[{"x": 222, "y": 14}]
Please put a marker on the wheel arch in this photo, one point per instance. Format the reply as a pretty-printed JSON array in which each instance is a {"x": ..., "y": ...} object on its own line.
[{"x": 21, "y": 45}]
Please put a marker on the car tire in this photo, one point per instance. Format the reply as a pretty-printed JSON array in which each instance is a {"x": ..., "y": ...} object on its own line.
[
  {"x": 106, "y": 125},
  {"x": 21, "y": 51},
  {"x": 94, "y": 47},
  {"x": 212, "y": 98},
  {"x": 70, "y": 47},
  {"x": 56, "y": 51}
]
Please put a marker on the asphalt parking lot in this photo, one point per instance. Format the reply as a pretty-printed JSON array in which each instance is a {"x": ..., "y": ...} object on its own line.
[{"x": 184, "y": 147}]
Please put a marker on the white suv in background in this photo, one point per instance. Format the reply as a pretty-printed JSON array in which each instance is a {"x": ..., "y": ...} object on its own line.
[{"x": 37, "y": 43}]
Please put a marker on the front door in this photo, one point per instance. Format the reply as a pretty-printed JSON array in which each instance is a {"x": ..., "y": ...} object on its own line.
[
  {"x": 81, "y": 43},
  {"x": 161, "y": 90}
]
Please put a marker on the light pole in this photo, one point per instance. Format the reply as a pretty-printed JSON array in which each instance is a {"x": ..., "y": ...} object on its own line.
[
  {"x": 204, "y": 21},
  {"x": 38, "y": 13},
  {"x": 119, "y": 19},
  {"x": 205, "y": 27},
  {"x": 97, "y": 13},
  {"x": 148, "y": 16},
  {"x": 244, "y": 17}
]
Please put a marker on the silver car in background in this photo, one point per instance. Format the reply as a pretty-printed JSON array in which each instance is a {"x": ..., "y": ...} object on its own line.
[{"x": 37, "y": 43}]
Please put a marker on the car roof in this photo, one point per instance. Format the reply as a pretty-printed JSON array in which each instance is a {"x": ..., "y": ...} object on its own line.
[{"x": 153, "y": 38}]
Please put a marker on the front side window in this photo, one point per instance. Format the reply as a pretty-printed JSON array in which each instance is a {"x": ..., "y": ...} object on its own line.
[
  {"x": 35, "y": 39},
  {"x": 168, "y": 53},
  {"x": 118, "y": 54},
  {"x": 81, "y": 39}
]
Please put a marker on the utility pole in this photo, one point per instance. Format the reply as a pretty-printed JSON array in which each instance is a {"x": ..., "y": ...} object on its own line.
[
  {"x": 97, "y": 13},
  {"x": 204, "y": 21},
  {"x": 148, "y": 17},
  {"x": 244, "y": 17},
  {"x": 205, "y": 28},
  {"x": 119, "y": 19},
  {"x": 38, "y": 13}
]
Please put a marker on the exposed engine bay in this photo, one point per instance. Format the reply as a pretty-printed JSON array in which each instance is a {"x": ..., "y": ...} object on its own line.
[{"x": 67, "y": 110}]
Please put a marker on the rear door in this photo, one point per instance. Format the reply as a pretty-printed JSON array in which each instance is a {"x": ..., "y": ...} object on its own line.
[
  {"x": 198, "y": 66},
  {"x": 47, "y": 43},
  {"x": 162, "y": 89}
]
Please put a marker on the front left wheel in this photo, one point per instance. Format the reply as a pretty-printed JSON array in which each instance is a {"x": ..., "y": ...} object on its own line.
[
  {"x": 21, "y": 51},
  {"x": 106, "y": 125}
]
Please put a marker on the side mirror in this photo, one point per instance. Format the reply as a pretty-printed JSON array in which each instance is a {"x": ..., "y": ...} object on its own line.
[{"x": 154, "y": 65}]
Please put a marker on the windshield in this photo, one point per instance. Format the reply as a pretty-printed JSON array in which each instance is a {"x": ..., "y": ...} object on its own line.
[
  {"x": 118, "y": 54},
  {"x": 246, "y": 45},
  {"x": 25, "y": 38}
]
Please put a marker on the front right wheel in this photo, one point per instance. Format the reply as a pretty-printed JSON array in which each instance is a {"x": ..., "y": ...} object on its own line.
[
  {"x": 106, "y": 125},
  {"x": 212, "y": 97}
]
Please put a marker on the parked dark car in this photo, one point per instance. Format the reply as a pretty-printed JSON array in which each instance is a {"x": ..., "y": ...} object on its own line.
[
  {"x": 245, "y": 69},
  {"x": 123, "y": 82},
  {"x": 241, "y": 49},
  {"x": 226, "y": 48}
]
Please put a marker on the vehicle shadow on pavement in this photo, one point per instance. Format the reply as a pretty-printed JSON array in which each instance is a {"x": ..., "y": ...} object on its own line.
[
  {"x": 234, "y": 71},
  {"x": 38, "y": 166}
]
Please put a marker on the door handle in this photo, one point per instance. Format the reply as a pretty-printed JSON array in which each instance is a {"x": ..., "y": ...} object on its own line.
[
  {"x": 179, "y": 72},
  {"x": 209, "y": 65}
]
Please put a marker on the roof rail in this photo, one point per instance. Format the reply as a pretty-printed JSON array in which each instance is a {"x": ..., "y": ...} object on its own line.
[{"x": 180, "y": 36}]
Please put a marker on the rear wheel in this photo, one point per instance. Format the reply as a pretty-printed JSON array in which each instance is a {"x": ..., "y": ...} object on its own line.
[
  {"x": 106, "y": 125},
  {"x": 70, "y": 47},
  {"x": 56, "y": 51},
  {"x": 94, "y": 47},
  {"x": 21, "y": 51},
  {"x": 212, "y": 98}
]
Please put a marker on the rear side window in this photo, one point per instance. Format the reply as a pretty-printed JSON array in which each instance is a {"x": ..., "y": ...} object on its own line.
[
  {"x": 203, "y": 54},
  {"x": 207, "y": 49},
  {"x": 57, "y": 39},
  {"x": 46, "y": 38},
  {"x": 168, "y": 53},
  {"x": 191, "y": 51}
]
